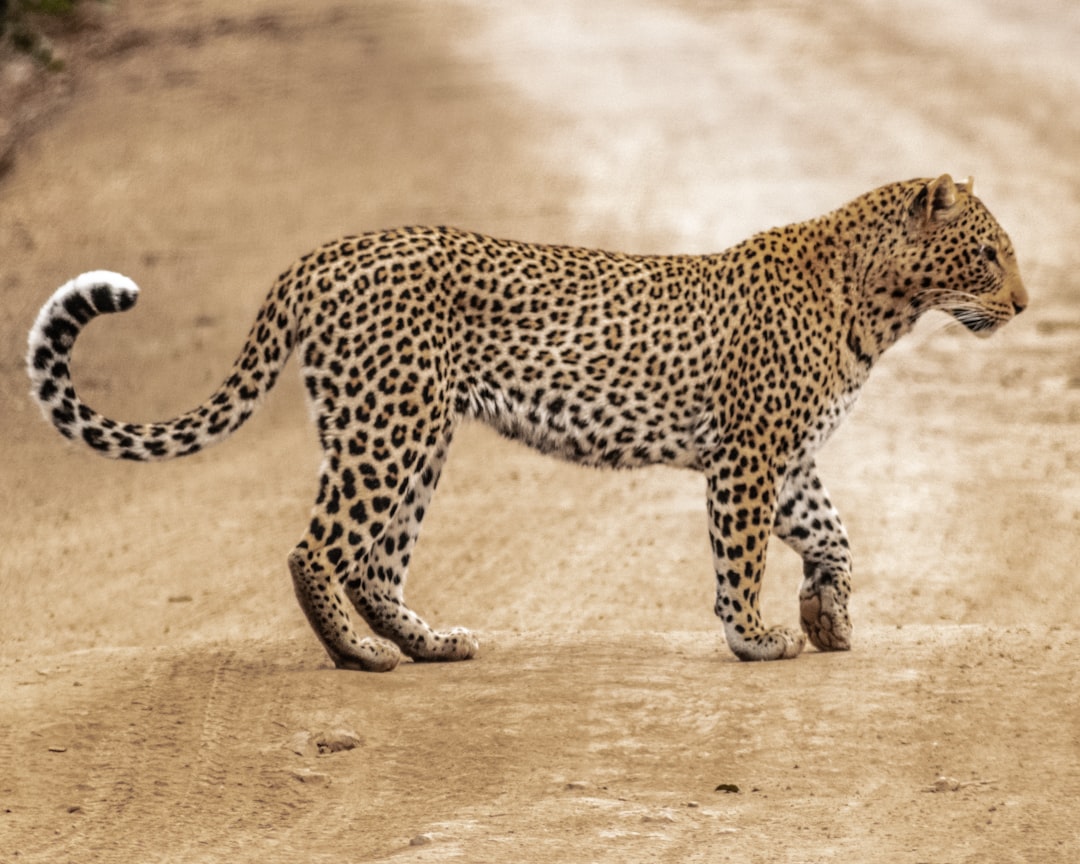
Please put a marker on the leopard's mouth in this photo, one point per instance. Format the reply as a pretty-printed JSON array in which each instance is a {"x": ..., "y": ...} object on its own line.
[{"x": 979, "y": 324}]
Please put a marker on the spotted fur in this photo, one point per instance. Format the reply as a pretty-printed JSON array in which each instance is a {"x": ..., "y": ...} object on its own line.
[{"x": 737, "y": 365}]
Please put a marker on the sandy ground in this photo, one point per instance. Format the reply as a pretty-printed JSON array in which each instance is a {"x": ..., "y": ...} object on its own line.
[{"x": 161, "y": 697}]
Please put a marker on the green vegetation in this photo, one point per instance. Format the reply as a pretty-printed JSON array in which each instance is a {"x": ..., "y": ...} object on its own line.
[
  {"x": 50, "y": 7},
  {"x": 23, "y": 24}
]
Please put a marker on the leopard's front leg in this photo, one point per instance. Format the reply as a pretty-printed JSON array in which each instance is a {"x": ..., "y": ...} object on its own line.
[
  {"x": 742, "y": 508},
  {"x": 807, "y": 521}
]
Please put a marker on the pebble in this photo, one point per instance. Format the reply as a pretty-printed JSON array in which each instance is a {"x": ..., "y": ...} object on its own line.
[
  {"x": 313, "y": 778},
  {"x": 337, "y": 740},
  {"x": 305, "y": 743}
]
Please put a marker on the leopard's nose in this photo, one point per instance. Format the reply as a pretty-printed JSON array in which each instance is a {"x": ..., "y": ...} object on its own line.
[{"x": 1019, "y": 296}]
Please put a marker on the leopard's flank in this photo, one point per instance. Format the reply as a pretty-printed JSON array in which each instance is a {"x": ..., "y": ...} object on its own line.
[{"x": 737, "y": 365}]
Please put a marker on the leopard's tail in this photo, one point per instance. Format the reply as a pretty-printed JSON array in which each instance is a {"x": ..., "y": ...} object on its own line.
[{"x": 48, "y": 362}]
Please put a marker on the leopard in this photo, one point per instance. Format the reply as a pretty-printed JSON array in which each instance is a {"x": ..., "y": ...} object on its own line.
[{"x": 737, "y": 365}]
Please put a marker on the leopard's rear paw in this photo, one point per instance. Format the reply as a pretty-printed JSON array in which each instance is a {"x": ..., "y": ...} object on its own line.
[
  {"x": 824, "y": 617},
  {"x": 368, "y": 655},
  {"x": 776, "y": 643},
  {"x": 444, "y": 646}
]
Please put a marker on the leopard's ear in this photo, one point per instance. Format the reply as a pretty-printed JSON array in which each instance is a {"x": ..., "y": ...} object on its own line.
[
  {"x": 938, "y": 200},
  {"x": 967, "y": 185}
]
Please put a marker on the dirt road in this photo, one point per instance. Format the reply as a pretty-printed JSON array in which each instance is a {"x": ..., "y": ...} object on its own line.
[{"x": 161, "y": 697}]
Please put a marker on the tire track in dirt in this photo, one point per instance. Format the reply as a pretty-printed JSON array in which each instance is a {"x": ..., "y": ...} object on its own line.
[
  {"x": 165, "y": 751},
  {"x": 223, "y": 706},
  {"x": 109, "y": 790}
]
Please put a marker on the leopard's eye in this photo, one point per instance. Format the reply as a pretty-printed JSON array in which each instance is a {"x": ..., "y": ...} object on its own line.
[{"x": 989, "y": 253}]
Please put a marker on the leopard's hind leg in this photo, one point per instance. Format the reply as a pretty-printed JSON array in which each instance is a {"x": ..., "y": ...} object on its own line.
[
  {"x": 385, "y": 419},
  {"x": 317, "y": 579},
  {"x": 377, "y": 589},
  {"x": 365, "y": 525}
]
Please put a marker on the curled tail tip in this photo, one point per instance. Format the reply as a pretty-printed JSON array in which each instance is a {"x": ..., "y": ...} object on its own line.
[
  {"x": 86, "y": 296},
  {"x": 107, "y": 291},
  {"x": 64, "y": 314},
  {"x": 75, "y": 302}
]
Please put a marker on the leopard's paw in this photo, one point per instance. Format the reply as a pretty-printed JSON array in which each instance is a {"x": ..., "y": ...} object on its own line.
[
  {"x": 824, "y": 616},
  {"x": 368, "y": 655},
  {"x": 775, "y": 643},
  {"x": 444, "y": 646}
]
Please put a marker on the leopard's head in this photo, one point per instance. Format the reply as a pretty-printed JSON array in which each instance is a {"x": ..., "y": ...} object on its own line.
[{"x": 957, "y": 258}]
